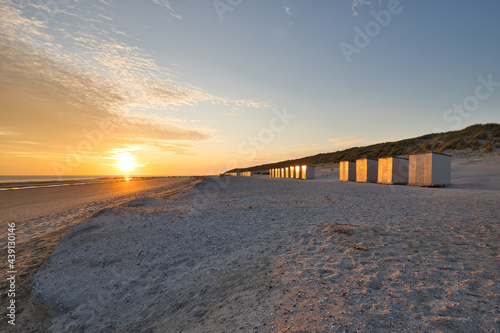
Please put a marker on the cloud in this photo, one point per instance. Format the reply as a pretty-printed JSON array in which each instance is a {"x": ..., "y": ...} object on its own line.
[
  {"x": 288, "y": 11},
  {"x": 53, "y": 95},
  {"x": 8, "y": 132},
  {"x": 358, "y": 3},
  {"x": 345, "y": 142},
  {"x": 56, "y": 106},
  {"x": 161, "y": 146},
  {"x": 93, "y": 48},
  {"x": 166, "y": 5}
]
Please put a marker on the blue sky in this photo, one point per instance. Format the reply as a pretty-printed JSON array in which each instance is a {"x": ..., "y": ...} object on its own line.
[{"x": 195, "y": 87}]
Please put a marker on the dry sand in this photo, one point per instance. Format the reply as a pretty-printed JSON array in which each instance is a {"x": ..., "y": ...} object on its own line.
[
  {"x": 277, "y": 255},
  {"x": 43, "y": 215}
]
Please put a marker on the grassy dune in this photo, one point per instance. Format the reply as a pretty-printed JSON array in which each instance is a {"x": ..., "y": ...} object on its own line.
[{"x": 480, "y": 137}]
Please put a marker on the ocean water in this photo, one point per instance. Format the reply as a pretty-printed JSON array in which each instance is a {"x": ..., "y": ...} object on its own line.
[
  {"x": 8, "y": 183},
  {"x": 30, "y": 179}
]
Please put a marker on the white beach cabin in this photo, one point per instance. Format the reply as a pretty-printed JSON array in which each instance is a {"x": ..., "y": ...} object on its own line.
[
  {"x": 298, "y": 172},
  {"x": 347, "y": 171},
  {"x": 282, "y": 173},
  {"x": 430, "y": 169},
  {"x": 393, "y": 170},
  {"x": 366, "y": 170},
  {"x": 292, "y": 172},
  {"x": 308, "y": 172}
]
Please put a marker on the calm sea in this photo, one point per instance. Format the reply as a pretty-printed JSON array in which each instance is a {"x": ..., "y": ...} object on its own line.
[
  {"x": 26, "y": 182},
  {"x": 36, "y": 179}
]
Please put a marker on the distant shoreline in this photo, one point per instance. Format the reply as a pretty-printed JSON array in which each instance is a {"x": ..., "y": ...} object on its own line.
[{"x": 31, "y": 182}]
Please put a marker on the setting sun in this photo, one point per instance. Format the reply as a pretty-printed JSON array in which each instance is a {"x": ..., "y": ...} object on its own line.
[{"x": 126, "y": 162}]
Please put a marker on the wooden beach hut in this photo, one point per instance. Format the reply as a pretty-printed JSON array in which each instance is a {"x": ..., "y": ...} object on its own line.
[
  {"x": 282, "y": 173},
  {"x": 298, "y": 172},
  {"x": 308, "y": 172},
  {"x": 347, "y": 171},
  {"x": 292, "y": 172},
  {"x": 430, "y": 169},
  {"x": 393, "y": 170},
  {"x": 366, "y": 170}
]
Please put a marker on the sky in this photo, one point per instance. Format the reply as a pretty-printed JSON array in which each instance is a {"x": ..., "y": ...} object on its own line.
[{"x": 191, "y": 87}]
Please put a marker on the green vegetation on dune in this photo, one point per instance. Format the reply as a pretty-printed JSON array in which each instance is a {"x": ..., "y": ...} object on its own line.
[{"x": 480, "y": 137}]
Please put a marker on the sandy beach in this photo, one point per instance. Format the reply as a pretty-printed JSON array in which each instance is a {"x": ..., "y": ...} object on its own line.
[
  {"x": 279, "y": 255},
  {"x": 176, "y": 166},
  {"x": 43, "y": 215}
]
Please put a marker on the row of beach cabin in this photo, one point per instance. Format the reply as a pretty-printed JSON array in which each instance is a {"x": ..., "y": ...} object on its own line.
[
  {"x": 295, "y": 172},
  {"x": 430, "y": 169},
  {"x": 240, "y": 174}
]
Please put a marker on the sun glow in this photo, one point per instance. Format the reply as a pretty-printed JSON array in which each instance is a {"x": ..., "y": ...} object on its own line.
[{"x": 126, "y": 162}]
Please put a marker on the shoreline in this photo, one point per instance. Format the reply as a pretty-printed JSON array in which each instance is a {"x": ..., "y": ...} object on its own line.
[{"x": 6, "y": 186}]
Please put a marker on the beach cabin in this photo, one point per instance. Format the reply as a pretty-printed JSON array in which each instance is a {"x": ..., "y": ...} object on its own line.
[
  {"x": 308, "y": 172},
  {"x": 366, "y": 170},
  {"x": 292, "y": 172},
  {"x": 282, "y": 172},
  {"x": 393, "y": 170},
  {"x": 246, "y": 173},
  {"x": 287, "y": 172},
  {"x": 347, "y": 171},
  {"x": 298, "y": 172},
  {"x": 430, "y": 169}
]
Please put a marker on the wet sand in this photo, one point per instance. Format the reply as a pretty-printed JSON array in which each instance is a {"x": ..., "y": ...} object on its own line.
[{"x": 40, "y": 210}]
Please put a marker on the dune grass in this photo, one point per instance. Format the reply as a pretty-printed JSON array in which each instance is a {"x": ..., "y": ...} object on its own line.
[{"x": 480, "y": 137}]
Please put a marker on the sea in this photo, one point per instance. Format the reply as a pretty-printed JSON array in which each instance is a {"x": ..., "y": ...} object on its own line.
[
  {"x": 24, "y": 179},
  {"x": 26, "y": 182}
]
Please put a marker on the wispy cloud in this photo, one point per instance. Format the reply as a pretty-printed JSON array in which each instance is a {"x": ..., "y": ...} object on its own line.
[
  {"x": 161, "y": 146},
  {"x": 166, "y": 5},
  {"x": 97, "y": 77},
  {"x": 358, "y": 3}
]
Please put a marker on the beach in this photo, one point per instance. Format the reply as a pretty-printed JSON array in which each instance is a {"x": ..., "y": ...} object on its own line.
[
  {"x": 43, "y": 215},
  {"x": 254, "y": 254}
]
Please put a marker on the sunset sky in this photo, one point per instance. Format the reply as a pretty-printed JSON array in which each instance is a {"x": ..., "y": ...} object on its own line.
[{"x": 177, "y": 87}]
